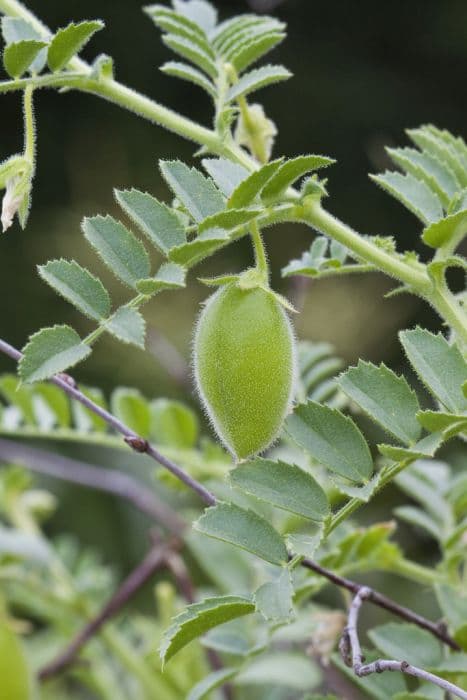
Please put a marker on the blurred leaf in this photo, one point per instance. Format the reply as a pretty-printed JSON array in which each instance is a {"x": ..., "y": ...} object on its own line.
[
  {"x": 128, "y": 325},
  {"x": 173, "y": 424},
  {"x": 18, "y": 395},
  {"x": 305, "y": 545},
  {"x": 439, "y": 365},
  {"x": 383, "y": 686},
  {"x": 50, "y": 351},
  {"x": 199, "y": 12},
  {"x": 436, "y": 174},
  {"x": 21, "y": 545},
  {"x": 196, "y": 192},
  {"x": 124, "y": 254},
  {"x": 290, "y": 171},
  {"x": 169, "y": 276},
  {"x": 78, "y": 286},
  {"x": 16, "y": 675},
  {"x": 192, "y": 51},
  {"x": 216, "y": 679},
  {"x": 413, "y": 194},
  {"x": 132, "y": 409},
  {"x": 332, "y": 439},
  {"x": 384, "y": 397},
  {"x": 274, "y": 598},
  {"x": 197, "y": 619},
  {"x": 453, "y": 604},
  {"x": 156, "y": 220},
  {"x": 248, "y": 52},
  {"x": 69, "y": 41},
  {"x": 286, "y": 669},
  {"x": 406, "y": 642},
  {"x": 257, "y": 79},
  {"x": 244, "y": 529},
  {"x": 418, "y": 517},
  {"x": 226, "y": 174},
  {"x": 246, "y": 192},
  {"x": 17, "y": 57},
  {"x": 86, "y": 420},
  {"x": 439, "y": 145},
  {"x": 438, "y": 421},
  {"x": 283, "y": 485}
]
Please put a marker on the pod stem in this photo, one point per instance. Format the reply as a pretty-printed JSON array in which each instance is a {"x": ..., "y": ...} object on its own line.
[{"x": 262, "y": 264}]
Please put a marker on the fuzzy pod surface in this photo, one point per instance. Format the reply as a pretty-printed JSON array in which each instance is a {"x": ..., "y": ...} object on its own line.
[{"x": 244, "y": 362}]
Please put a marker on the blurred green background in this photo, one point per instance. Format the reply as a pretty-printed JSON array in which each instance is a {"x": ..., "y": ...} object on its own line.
[{"x": 363, "y": 73}]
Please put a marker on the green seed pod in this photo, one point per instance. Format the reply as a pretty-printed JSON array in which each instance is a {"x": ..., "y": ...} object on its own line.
[
  {"x": 244, "y": 360},
  {"x": 15, "y": 678}
]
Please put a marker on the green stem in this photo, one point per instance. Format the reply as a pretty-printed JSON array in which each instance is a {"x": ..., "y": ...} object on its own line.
[
  {"x": 29, "y": 126},
  {"x": 260, "y": 251},
  {"x": 415, "y": 572},
  {"x": 448, "y": 307},
  {"x": 132, "y": 304}
]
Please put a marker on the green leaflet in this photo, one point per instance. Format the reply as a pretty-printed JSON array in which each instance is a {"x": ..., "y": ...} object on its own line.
[
  {"x": 441, "y": 232},
  {"x": 199, "y": 618},
  {"x": 434, "y": 173},
  {"x": 274, "y": 598},
  {"x": 283, "y": 485},
  {"x": 18, "y": 57},
  {"x": 192, "y": 51},
  {"x": 226, "y": 175},
  {"x": 69, "y": 41},
  {"x": 15, "y": 30},
  {"x": 169, "y": 276},
  {"x": 195, "y": 191},
  {"x": 215, "y": 680},
  {"x": 123, "y": 254},
  {"x": 426, "y": 447},
  {"x": 192, "y": 75},
  {"x": 248, "y": 190},
  {"x": 50, "y": 351},
  {"x": 244, "y": 529},
  {"x": 133, "y": 409},
  {"x": 413, "y": 194},
  {"x": 78, "y": 286},
  {"x": 173, "y": 424},
  {"x": 255, "y": 48},
  {"x": 385, "y": 397},
  {"x": 406, "y": 642},
  {"x": 332, "y": 439},
  {"x": 128, "y": 325},
  {"x": 257, "y": 79},
  {"x": 439, "y": 365},
  {"x": 290, "y": 171},
  {"x": 156, "y": 220},
  {"x": 229, "y": 219}
]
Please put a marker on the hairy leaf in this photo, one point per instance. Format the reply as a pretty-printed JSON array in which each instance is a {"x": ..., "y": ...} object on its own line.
[
  {"x": 283, "y": 485},
  {"x": 69, "y": 41},
  {"x": 124, "y": 254},
  {"x": 169, "y": 276},
  {"x": 226, "y": 174},
  {"x": 156, "y": 220},
  {"x": 128, "y": 325},
  {"x": 385, "y": 397},
  {"x": 332, "y": 439},
  {"x": 199, "y": 618},
  {"x": 18, "y": 57},
  {"x": 274, "y": 598},
  {"x": 192, "y": 75},
  {"x": 290, "y": 171},
  {"x": 249, "y": 189},
  {"x": 413, "y": 194},
  {"x": 192, "y": 51},
  {"x": 199, "y": 12},
  {"x": 441, "y": 232},
  {"x": 431, "y": 141},
  {"x": 196, "y": 250},
  {"x": 257, "y": 79},
  {"x": 435, "y": 174},
  {"x": 426, "y": 447},
  {"x": 439, "y": 365},
  {"x": 244, "y": 529},
  {"x": 50, "y": 351},
  {"x": 196, "y": 192},
  {"x": 255, "y": 48},
  {"x": 78, "y": 286},
  {"x": 15, "y": 30},
  {"x": 229, "y": 219}
]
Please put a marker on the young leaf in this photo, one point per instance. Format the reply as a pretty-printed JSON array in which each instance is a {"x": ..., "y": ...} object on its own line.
[
  {"x": 332, "y": 439},
  {"x": 18, "y": 57},
  {"x": 156, "y": 220},
  {"x": 133, "y": 409},
  {"x": 306, "y": 545},
  {"x": 279, "y": 670},
  {"x": 161, "y": 14},
  {"x": 15, "y": 30},
  {"x": 226, "y": 174},
  {"x": 247, "y": 191},
  {"x": 216, "y": 679},
  {"x": 196, "y": 192},
  {"x": 229, "y": 219},
  {"x": 439, "y": 365},
  {"x": 429, "y": 141},
  {"x": 419, "y": 518},
  {"x": 196, "y": 250},
  {"x": 290, "y": 171},
  {"x": 435, "y": 421},
  {"x": 283, "y": 485},
  {"x": 244, "y": 529},
  {"x": 274, "y": 598},
  {"x": 128, "y": 325},
  {"x": 173, "y": 424},
  {"x": 441, "y": 232},
  {"x": 413, "y": 194},
  {"x": 69, "y": 41},
  {"x": 251, "y": 51},
  {"x": 192, "y": 75},
  {"x": 50, "y": 351},
  {"x": 124, "y": 254},
  {"x": 18, "y": 395},
  {"x": 78, "y": 286},
  {"x": 406, "y": 642},
  {"x": 169, "y": 276},
  {"x": 257, "y": 79},
  {"x": 199, "y": 618},
  {"x": 426, "y": 447},
  {"x": 385, "y": 397},
  {"x": 199, "y": 12},
  {"x": 87, "y": 421}
]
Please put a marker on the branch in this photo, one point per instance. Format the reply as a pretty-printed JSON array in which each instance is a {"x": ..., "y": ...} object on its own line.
[
  {"x": 108, "y": 480},
  {"x": 141, "y": 445},
  {"x": 351, "y": 653},
  {"x": 135, "y": 441},
  {"x": 154, "y": 560}
]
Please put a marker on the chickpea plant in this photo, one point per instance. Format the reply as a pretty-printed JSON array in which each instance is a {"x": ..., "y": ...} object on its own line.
[{"x": 278, "y": 523}]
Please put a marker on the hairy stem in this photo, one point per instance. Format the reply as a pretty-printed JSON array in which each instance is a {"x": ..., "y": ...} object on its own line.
[{"x": 260, "y": 252}]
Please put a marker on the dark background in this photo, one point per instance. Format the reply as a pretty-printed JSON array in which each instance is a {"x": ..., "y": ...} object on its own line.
[{"x": 364, "y": 71}]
